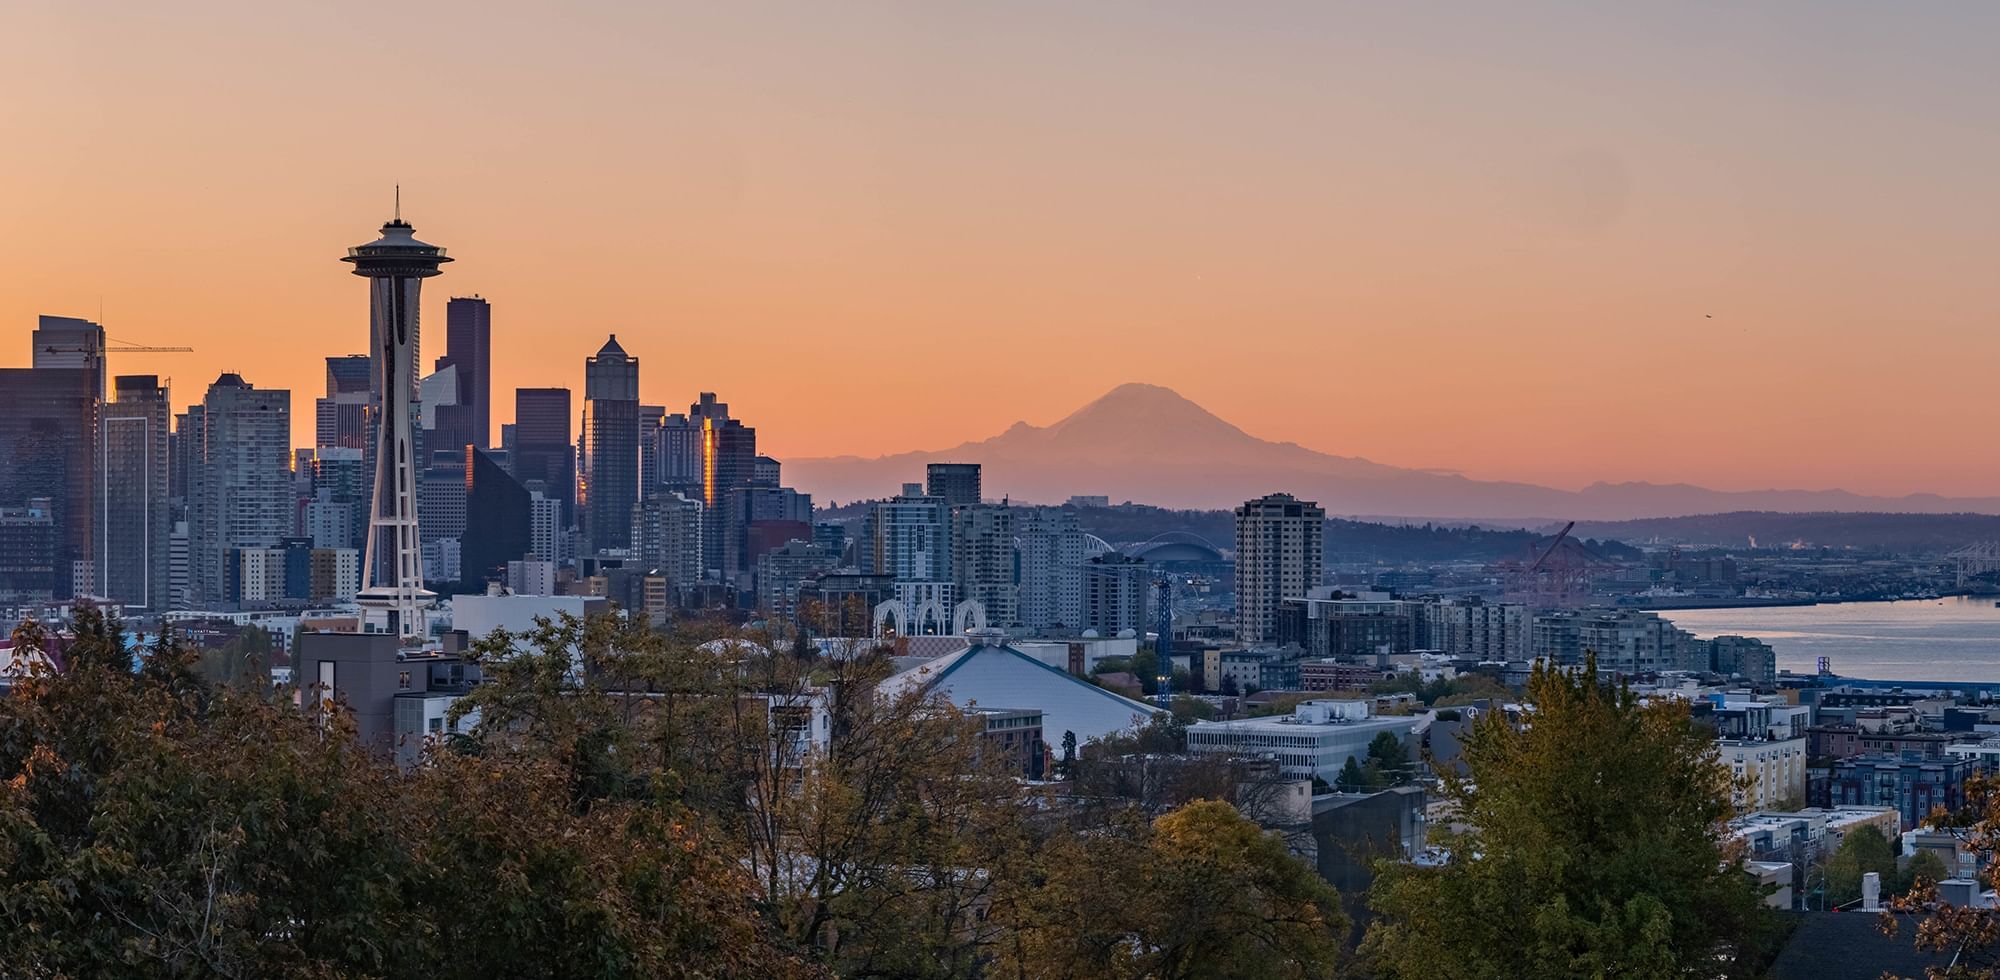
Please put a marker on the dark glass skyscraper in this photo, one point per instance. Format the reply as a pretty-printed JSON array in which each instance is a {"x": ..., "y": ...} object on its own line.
[
  {"x": 957, "y": 484},
  {"x": 341, "y": 418},
  {"x": 496, "y": 521},
  {"x": 544, "y": 448},
  {"x": 610, "y": 484},
  {"x": 48, "y": 451},
  {"x": 468, "y": 344}
]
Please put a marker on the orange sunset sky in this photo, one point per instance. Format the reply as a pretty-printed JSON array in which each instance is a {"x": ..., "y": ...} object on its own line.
[{"x": 1742, "y": 245}]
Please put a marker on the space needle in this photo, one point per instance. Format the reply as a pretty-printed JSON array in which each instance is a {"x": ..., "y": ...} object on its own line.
[{"x": 393, "y": 598}]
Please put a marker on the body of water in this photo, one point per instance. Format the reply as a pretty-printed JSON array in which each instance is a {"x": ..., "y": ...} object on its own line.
[{"x": 1955, "y": 639}]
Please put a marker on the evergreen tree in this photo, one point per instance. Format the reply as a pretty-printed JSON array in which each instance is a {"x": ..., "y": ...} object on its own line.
[
  {"x": 1862, "y": 850},
  {"x": 1591, "y": 850}
]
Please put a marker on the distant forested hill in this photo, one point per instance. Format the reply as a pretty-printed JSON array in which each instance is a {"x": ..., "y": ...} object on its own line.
[{"x": 1909, "y": 534}]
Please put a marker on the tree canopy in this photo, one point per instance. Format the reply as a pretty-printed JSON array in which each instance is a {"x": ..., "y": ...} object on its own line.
[{"x": 1590, "y": 849}]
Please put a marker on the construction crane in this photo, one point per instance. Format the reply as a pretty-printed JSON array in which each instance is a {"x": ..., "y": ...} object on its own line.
[
  {"x": 117, "y": 347},
  {"x": 1553, "y": 545}
]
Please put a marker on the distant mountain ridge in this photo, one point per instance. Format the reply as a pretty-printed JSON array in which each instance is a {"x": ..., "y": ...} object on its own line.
[{"x": 1148, "y": 444}]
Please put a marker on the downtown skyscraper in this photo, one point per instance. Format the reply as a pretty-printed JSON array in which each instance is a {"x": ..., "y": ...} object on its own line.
[
  {"x": 48, "y": 465},
  {"x": 468, "y": 346},
  {"x": 610, "y": 484},
  {"x": 544, "y": 451},
  {"x": 133, "y": 564},
  {"x": 239, "y": 482}
]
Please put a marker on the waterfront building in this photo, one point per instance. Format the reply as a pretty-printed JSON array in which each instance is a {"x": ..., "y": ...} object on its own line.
[
  {"x": 1741, "y": 656},
  {"x": 1280, "y": 553}
]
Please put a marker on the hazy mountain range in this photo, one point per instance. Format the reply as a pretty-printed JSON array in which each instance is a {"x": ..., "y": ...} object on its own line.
[{"x": 1148, "y": 444}]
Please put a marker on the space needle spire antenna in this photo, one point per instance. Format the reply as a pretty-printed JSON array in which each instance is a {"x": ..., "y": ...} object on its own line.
[{"x": 393, "y": 598}]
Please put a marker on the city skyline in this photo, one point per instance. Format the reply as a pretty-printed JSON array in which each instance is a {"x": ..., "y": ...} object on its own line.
[{"x": 1686, "y": 272}]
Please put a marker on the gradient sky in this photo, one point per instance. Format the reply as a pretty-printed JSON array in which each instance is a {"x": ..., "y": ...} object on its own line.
[{"x": 1743, "y": 245}]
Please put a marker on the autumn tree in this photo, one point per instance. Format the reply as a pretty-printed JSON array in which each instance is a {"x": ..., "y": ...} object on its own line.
[
  {"x": 1591, "y": 849},
  {"x": 1199, "y": 892}
]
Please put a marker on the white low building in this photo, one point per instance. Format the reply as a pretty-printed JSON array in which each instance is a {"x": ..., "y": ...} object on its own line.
[
  {"x": 991, "y": 674},
  {"x": 1316, "y": 739}
]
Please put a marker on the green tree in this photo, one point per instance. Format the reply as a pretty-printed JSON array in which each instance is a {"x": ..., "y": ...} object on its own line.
[
  {"x": 1352, "y": 778},
  {"x": 1591, "y": 850},
  {"x": 1388, "y": 762},
  {"x": 1068, "y": 753},
  {"x": 1200, "y": 893},
  {"x": 1925, "y": 868},
  {"x": 1146, "y": 666},
  {"x": 1862, "y": 850}
]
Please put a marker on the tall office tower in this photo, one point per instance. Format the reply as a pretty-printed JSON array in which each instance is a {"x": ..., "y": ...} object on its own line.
[
  {"x": 442, "y": 414},
  {"x": 679, "y": 455},
  {"x": 27, "y": 550},
  {"x": 498, "y": 520},
  {"x": 650, "y": 419},
  {"x": 241, "y": 485},
  {"x": 441, "y": 497},
  {"x": 755, "y": 520},
  {"x": 468, "y": 346},
  {"x": 764, "y": 472},
  {"x": 666, "y": 537},
  {"x": 48, "y": 450},
  {"x": 1280, "y": 554},
  {"x": 393, "y": 598},
  {"x": 982, "y": 558},
  {"x": 1115, "y": 589},
  {"x": 337, "y": 516},
  {"x": 341, "y": 418},
  {"x": 132, "y": 555},
  {"x": 610, "y": 484},
  {"x": 544, "y": 453},
  {"x": 546, "y": 530},
  {"x": 1052, "y": 548},
  {"x": 957, "y": 484},
  {"x": 71, "y": 343}
]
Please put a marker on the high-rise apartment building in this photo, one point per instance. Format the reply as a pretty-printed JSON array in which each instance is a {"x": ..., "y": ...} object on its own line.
[
  {"x": 1052, "y": 549},
  {"x": 610, "y": 484},
  {"x": 240, "y": 486},
  {"x": 957, "y": 484},
  {"x": 546, "y": 529},
  {"x": 909, "y": 537},
  {"x": 544, "y": 456},
  {"x": 132, "y": 554},
  {"x": 667, "y": 538},
  {"x": 982, "y": 559},
  {"x": 468, "y": 346},
  {"x": 49, "y": 453},
  {"x": 1115, "y": 590},
  {"x": 1280, "y": 554},
  {"x": 782, "y": 572}
]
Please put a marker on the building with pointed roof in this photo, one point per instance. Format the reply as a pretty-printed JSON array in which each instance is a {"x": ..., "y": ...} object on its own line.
[{"x": 989, "y": 674}]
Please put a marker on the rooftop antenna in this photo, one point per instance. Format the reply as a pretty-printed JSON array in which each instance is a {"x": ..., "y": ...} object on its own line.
[{"x": 399, "y": 204}]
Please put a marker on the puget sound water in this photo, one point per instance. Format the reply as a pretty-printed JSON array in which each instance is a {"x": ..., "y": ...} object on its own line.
[{"x": 1951, "y": 639}]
